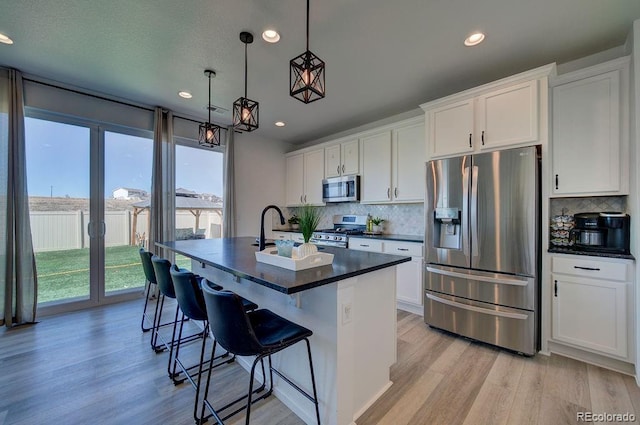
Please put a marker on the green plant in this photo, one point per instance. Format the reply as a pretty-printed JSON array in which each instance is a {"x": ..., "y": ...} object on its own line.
[
  {"x": 309, "y": 220},
  {"x": 294, "y": 219},
  {"x": 376, "y": 221}
]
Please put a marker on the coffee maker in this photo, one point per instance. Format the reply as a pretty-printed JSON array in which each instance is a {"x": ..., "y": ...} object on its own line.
[{"x": 602, "y": 232}]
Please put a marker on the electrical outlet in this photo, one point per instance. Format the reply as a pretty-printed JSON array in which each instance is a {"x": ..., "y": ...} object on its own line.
[{"x": 347, "y": 311}]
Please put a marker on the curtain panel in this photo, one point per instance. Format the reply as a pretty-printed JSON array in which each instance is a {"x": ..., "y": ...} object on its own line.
[
  {"x": 228, "y": 188},
  {"x": 163, "y": 183},
  {"x": 17, "y": 259}
]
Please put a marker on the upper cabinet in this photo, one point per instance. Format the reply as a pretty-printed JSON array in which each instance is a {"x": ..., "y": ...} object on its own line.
[
  {"x": 590, "y": 139},
  {"x": 305, "y": 172},
  {"x": 393, "y": 164},
  {"x": 503, "y": 114},
  {"x": 341, "y": 159}
]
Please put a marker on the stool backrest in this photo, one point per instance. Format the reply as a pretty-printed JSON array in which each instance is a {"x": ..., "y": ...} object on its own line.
[
  {"x": 188, "y": 294},
  {"x": 163, "y": 276},
  {"x": 229, "y": 322},
  {"x": 145, "y": 258}
]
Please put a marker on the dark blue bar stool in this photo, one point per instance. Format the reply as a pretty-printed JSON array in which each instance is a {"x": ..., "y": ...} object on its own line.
[
  {"x": 191, "y": 301},
  {"x": 150, "y": 280},
  {"x": 260, "y": 333}
]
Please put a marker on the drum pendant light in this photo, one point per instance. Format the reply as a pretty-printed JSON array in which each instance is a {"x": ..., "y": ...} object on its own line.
[
  {"x": 245, "y": 110},
  {"x": 209, "y": 134},
  {"x": 306, "y": 74}
]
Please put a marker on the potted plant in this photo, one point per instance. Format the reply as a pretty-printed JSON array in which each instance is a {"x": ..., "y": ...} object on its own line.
[
  {"x": 309, "y": 219},
  {"x": 294, "y": 221},
  {"x": 376, "y": 224}
]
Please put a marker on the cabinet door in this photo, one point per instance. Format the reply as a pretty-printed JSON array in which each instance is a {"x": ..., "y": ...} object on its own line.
[
  {"x": 285, "y": 236},
  {"x": 350, "y": 158},
  {"x": 508, "y": 116},
  {"x": 332, "y": 163},
  {"x": 313, "y": 175},
  {"x": 295, "y": 180},
  {"x": 586, "y": 135},
  {"x": 450, "y": 129},
  {"x": 409, "y": 159},
  {"x": 590, "y": 313},
  {"x": 376, "y": 168},
  {"x": 409, "y": 281},
  {"x": 366, "y": 244}
]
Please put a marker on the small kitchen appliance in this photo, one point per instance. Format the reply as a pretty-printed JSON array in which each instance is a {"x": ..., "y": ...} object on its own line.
[
  {"x": 341, "y": 189},
  {"x": 343, "y": 226},
  {"x": 587, "y": 232},
  {"x": 602, "y": 232}
]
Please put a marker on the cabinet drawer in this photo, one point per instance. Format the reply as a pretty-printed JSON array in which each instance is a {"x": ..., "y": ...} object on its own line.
[
  {"x": 588, "y": 267},
  {"x": 363, "y": 244},
  {"x": 403, "y": 248},
  {"x": 281, "y": 235}
]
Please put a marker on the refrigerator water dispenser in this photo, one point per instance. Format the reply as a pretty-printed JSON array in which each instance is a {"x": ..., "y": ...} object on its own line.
[{"x": 447, "y": 228}]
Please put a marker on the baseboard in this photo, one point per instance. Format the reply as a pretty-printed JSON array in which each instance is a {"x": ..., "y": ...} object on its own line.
[
  {"x": 410, "y": 307},
  {"x": 373, "y": 399},
  {"x": 592, "y": 358}
]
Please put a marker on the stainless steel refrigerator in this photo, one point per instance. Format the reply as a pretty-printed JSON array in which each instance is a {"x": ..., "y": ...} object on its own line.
[{"x": 482, "y": 247}]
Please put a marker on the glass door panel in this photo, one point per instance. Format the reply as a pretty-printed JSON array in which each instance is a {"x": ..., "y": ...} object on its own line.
[
  {"x": 58, "y": 178},
  {"x": 127, "y": 188}
]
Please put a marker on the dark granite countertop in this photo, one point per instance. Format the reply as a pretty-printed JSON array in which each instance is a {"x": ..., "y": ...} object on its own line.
[
  {"x": 558, "y": 250},
  {"x": 237, "y": 256}
]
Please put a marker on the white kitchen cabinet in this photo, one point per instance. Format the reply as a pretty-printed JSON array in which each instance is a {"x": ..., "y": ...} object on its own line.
[
  {"x": 393, "y": 164},
  {"x": 287, "y": 236},
  {"x": 342, "y": 159},
  {"x": 366, "y": 244},
  {"x": 590, "y": 139},
  {"x": 505, "y": 113},
  {"x": 590, "y": 309},
  {"x": 305, "y": 172}
]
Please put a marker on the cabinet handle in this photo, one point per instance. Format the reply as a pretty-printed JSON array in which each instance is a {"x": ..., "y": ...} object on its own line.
[
  {"x": 343, "y": 168},
  {"x": 364, "y": 246},
  {"x": 338, "y": 169},
  {"x": 389, "y": 193},
  {"x": 470, "y": 145},
  {"x": 555, "y": 288},
  {"x": 300, "y": 198},
  {"x": 305, "y": 199},
  {"x": 556, "y": 182},
  {"x": 595, "y": 269},
  {"x": 395, "y": 192},
  {"x": 482, "y": 137},
  {"x": 403, "y": 249}
]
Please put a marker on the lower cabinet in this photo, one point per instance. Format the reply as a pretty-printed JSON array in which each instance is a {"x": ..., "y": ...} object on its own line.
[
  {"x": 590, "y": 304},
  {"x": 296, "y": 237},
  {"x": 408, "y": 275}
]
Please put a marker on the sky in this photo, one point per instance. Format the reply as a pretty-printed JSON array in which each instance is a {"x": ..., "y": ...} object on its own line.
[{"x": 58, "y": 162}]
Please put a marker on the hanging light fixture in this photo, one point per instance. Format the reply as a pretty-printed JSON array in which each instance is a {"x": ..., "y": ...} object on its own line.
[
  {"x": 245, "y": 110},
  {"x": 209, "y": 134},
  {"x": 306, "y": 75}
]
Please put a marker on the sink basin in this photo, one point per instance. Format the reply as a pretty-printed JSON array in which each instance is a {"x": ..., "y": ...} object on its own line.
[{"x": 267, "y": 242}]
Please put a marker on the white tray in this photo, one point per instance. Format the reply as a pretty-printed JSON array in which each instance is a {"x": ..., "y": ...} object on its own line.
[{"x": 270, "y": 256}]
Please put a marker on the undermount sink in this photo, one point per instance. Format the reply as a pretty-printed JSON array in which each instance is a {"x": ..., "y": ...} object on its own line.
[{"x": 268, "y": 242}]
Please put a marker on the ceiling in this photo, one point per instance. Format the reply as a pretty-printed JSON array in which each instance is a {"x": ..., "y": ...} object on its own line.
[{"x": 383, "y": 57}]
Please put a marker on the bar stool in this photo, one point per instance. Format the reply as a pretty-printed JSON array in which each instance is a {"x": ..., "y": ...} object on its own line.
[
  {"x": 150, "y": 279},
  {"x": 260, "y": 333},
  {"x": 191, "y": 301},
  {"x": 162, "y": 268}
]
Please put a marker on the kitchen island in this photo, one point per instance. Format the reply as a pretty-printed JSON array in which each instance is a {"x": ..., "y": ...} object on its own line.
[{"x": 349, "y": 306}]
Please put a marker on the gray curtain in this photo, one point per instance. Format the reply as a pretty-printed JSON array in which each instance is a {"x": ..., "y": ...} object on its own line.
[
  {"x": 17, "y": 259},
  {"x": 228, "y": 181},
  {"x": 163, "y": 197}
]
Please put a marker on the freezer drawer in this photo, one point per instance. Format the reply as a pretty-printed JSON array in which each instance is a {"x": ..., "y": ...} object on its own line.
[
  {"x": 493, "y": 288},
  {"x": 509, "y": 328}
]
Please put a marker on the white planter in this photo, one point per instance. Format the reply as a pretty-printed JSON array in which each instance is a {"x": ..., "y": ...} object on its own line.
[
  {"x": 305, "y": 249},
  {"x": 376, "y": 228}
]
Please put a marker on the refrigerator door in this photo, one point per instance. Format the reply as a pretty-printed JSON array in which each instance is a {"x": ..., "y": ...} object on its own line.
[
  {"x": 504, "y": 211},
  {"x": 446, "y": 209}
]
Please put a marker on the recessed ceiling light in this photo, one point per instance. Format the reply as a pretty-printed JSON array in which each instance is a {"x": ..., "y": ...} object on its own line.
[
  {"x": 185, "y": 94},
  {"x": 4, "y": 39},
  {"x": 474, "y": 39},
  {"x": 280, "y": 124},
  {"x": 271, "y": 36}
]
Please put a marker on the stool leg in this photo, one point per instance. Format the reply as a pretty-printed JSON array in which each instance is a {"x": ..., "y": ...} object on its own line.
[
  {"x": 173, "y": 338},
  {"x": 172, "y": 373},
  {"x": 144, "y": 310},
  {"x": 253, "y": 370},
  {"x": 313, "y": 381},
  {"x": 156, "y": 324}
]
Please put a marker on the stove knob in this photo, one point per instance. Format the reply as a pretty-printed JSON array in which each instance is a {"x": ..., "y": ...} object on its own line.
[{"x": 336, "y": 238}]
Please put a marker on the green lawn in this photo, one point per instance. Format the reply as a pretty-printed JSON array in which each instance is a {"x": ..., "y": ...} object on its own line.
[{"x": 65, "y": 274}]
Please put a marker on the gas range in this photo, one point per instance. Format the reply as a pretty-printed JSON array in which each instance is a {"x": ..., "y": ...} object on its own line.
[{"x": 343, "y": 227}]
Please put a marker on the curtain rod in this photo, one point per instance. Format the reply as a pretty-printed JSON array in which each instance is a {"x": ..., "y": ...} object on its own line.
[{"x": 145, "y": 108}]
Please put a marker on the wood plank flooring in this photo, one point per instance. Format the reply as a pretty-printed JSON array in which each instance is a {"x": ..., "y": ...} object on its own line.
[{"x": 96, "y": 367}]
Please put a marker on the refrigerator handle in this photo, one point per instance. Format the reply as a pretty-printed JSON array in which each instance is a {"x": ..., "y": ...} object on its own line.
[
  {"x": 465, "y": 211},
  {"x": 474, "y": 212}
]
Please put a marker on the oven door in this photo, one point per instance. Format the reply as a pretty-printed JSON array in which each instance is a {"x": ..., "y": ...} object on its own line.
[{"x": 341, "y": 189}]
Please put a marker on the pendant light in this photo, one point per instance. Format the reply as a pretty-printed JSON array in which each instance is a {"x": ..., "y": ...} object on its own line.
[
  {"x": 306, "y": 75},
  {"x": 209, "y": 134},
  {"x": 245, "y": 110}
]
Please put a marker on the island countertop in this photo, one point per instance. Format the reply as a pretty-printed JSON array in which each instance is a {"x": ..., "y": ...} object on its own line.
[{"x": 237, "y": 256}]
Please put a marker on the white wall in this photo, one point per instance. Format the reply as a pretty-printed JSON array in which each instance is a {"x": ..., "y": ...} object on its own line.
[{"x": 260, "y": 180}]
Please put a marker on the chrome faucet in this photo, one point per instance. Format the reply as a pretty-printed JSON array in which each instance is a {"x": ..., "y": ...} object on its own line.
[{"x": 268, "y": 207}]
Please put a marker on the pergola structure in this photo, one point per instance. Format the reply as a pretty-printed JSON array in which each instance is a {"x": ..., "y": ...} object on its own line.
[{"x": 192, "y": 204}]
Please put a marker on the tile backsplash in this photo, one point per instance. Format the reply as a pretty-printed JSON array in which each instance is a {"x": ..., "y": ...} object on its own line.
[
  {"x": 400, "y": 219},
  {"x": 573, "y": 206}
]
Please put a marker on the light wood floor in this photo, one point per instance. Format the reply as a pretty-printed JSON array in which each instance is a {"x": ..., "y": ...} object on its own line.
[{"x": 96, "y": 367}]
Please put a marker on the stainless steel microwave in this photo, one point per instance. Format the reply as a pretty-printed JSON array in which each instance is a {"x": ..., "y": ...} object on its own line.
[{"x": 341, "y": 189}]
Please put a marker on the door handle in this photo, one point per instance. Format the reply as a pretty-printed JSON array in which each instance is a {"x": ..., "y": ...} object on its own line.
[
  {"x": 338, "y": 169},
  {"x": 482, "y": 137},
  {"x": 300, "y": 198},
  {"x": 343, "y": 168},
  {"x": 104, "y": 229},
  {"x": 89, "y": 227},
  {"x": 305, "y": 199},
  {"x": 388, "y": 193},
  {"x": 470, "y": 145},
  {"x": 556, "y": 182},
  {"x": 555, "y": 288},
  {"x": 395, "y": 192}
]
